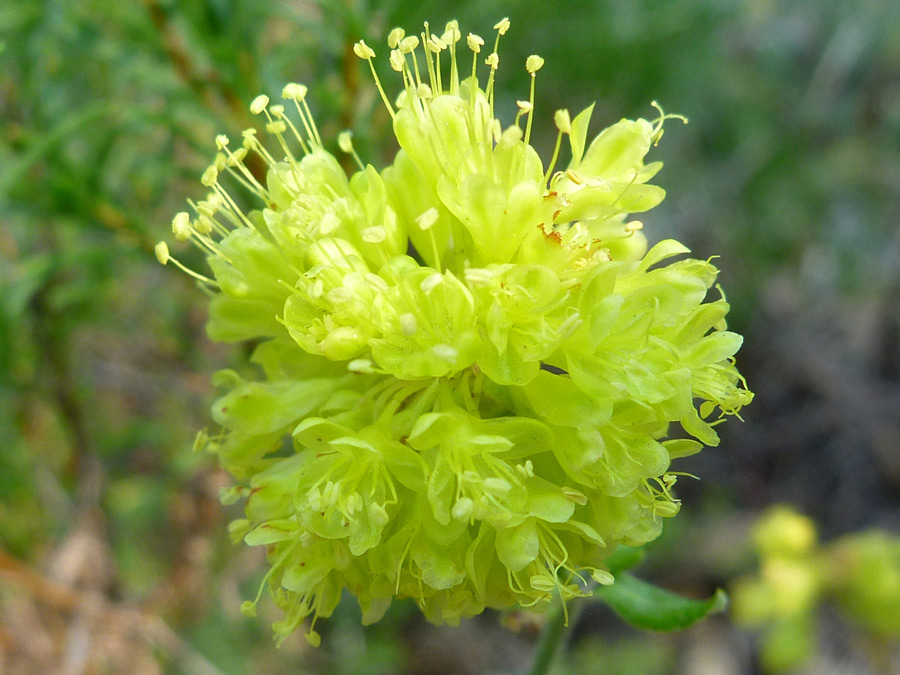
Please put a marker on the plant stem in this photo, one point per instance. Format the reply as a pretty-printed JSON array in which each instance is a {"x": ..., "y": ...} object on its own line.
[{"x": 552, "y": 634}]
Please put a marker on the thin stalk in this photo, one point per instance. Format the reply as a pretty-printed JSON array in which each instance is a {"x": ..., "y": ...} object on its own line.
[{"x": 553, "y": 632}]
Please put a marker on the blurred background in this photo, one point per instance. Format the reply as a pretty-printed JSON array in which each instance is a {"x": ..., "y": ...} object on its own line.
[{"x": 114, "y": 554}]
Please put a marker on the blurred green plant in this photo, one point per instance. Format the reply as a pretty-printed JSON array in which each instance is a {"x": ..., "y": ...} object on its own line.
[{"x": 858, "y": 572}]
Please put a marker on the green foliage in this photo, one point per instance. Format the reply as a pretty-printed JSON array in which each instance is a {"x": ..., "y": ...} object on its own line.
[{"x": 652, "y": 608}]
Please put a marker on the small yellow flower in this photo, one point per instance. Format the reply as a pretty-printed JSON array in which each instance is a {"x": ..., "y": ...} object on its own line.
[{"x": 475, "y": 359}]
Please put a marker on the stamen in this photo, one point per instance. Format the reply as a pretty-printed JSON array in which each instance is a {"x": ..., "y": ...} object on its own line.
[
  {"x": 525, "y": 108},
  {"x": 276, "y": 128},
  {"x": 434, "y": 45},
  {"x": 204, "y": 225},
  {"x": 345, "y": 143},
  {"x": 210, "y": 176},
  {"x": 181, "y": 226},
  {"x": 312, "y": 123},
  {"x": 395, "y": 36},
  {"x": 426, "y": 219},
  {"x": 364, "y": 51},
  {"x": 232, "y": 207},
  {"x": 563, "y": 121},
  {"x": 475, "y": 44},
  {"x": 162, "y": 255},
  {"x": 564, "y": 124},
  {"x": 450, "y": 37},
  {"x": 162, "y": 252},
  {"x": 206, "y": 210},
  {"x": 397, "y": 61},
  {"x": 409, "y": 44},
  {"x": 296, "y": 93},
  {"x": 494, "y": 60},
  {"x": 532, "y": 64},
  {"x": 252, "y": 143},
  {"x": 429, "y": 64},
  {"x": 259, "y": 104},
  {"x": 425, "y": 222},
  {"x": 658, "y": 122}
]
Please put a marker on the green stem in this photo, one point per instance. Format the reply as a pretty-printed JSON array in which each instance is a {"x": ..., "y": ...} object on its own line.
[{"x": 552, "y": 634}]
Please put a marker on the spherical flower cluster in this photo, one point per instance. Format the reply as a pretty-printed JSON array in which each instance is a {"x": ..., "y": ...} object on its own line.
[{"x": 472, "y": 365}]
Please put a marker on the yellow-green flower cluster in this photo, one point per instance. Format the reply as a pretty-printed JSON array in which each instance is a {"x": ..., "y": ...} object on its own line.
[
  {"x": 475, "y": 361},
  {"x": 860, "y": 572}
]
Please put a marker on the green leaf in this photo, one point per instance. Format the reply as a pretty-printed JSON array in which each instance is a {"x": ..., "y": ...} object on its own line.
[
  {"x": 624, "y": 558},
  {"x": 649, "y": 607}
]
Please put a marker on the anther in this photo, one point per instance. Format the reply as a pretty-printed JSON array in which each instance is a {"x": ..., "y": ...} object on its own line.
[
  {"x": 377, "y": 513},
  {"x": 294, "y": 91},
  {"x": 409, "y": 44},
  {"x": 236, "y": 157},
  {"x": 574, "y": 176},
  {"x": 363, "y": 51},
  {"x": 533, "y": 64},
  {"x": 542, "y": 583},
  {"x": 181, "y": 226},
  {"x": 344, "y": 141},
  {"x": 373, "y": 235},
  {"x": 396, "y": 60},
  {"x": 210, "y": 176},
  {"x": 395, "y": 36},
  {"x": 451, "y": 32},
  {"x": 446, "y": 352},
  {"x": 162, "y": 252},
  {"x": 259, "y": 104},
  {"x": 574, "y": 495},
  {"x": 408, "y": 324},
  {"x": 427, "y": 219},
  {"x": 204, "y": 225},
  {"x": 603, "y": 577},
  {"x": 361, "y": 366},
  {"x": 475, "y": 43},
  {"x": 462, "y": 510},
  {"x": 563, "y": 121}
]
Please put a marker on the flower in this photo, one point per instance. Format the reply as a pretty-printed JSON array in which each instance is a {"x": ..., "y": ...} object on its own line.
[
  {"x": 474, "y": 358},
  {"x": 858, "y": 572}
]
